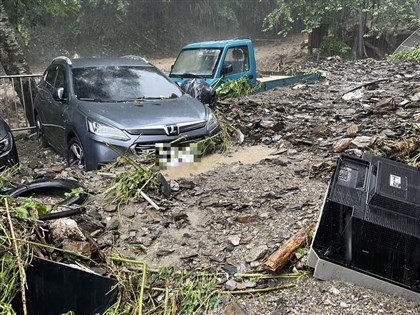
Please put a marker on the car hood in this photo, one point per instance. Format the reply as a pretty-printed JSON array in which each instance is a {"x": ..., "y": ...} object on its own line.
[{"x": 133, "y": 115}]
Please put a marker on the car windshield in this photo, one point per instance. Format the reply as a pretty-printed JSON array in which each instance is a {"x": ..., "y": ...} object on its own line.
[
  {"x": 120, "y": 83},
  {"x": 196, "y": 62}
]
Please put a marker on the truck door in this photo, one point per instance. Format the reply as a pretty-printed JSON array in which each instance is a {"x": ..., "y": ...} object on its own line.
[{"x": 238, "y": 58}]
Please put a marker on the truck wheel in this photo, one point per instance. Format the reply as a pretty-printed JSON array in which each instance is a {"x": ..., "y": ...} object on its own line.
[{"x": 75, "y": 153}]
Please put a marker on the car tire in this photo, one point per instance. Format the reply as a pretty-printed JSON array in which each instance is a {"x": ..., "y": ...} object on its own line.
[
  {"x": 42, "y": 142},
  {"x": 75, "y": 153},
  {"x": 48, "y": 185}
]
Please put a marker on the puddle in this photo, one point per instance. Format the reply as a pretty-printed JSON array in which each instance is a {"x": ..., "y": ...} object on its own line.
[{"x": 245, "y": 155}]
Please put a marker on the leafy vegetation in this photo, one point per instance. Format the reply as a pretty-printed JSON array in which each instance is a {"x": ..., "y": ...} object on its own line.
[
  {"x": 412, "y": 54},
  {"x": 233, "y": 89},
  {"x": 372, "y": 17},
  {"x": 331, "y": 46}
]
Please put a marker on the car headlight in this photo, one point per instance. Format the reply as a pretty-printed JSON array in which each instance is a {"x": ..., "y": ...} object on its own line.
[
  {"x": 212, "y": 123},
  {"x": 106, "y": 131},
  {"x": 5, "y": 144}
]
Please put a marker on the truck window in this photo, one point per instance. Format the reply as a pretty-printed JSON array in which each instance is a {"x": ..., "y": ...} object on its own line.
[{"x": 238, "y": 57}]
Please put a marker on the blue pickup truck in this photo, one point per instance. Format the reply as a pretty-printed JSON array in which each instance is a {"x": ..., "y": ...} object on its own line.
[{"x": 220, "y": 61}]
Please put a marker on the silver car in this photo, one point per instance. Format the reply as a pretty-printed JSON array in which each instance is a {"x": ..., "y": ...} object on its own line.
[{"x": 91, "y": 110}]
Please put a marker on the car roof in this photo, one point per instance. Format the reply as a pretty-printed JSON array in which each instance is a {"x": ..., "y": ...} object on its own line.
[{"x": 100, "y": 62}]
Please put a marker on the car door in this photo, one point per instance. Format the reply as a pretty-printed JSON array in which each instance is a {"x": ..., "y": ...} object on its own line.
[
  {"x": 44, "y": 102},
  {"x": 50, "y": 109},
  {"x": 58, "y": 110},
  {"x": 238, "y": 58}
]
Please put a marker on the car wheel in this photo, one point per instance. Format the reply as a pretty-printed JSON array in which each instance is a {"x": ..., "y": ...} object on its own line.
[
  {"x": 42, "y": 142},
  {"x": 75, "y": 153}
]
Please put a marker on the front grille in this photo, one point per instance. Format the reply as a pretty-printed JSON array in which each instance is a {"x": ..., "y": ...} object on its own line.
[
  {"x": 185, "y": 128},
  {"x": 161, "y": 130}
]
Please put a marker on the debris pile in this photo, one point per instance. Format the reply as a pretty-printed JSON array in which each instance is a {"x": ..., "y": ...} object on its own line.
[{"x": 212, "y": 236}]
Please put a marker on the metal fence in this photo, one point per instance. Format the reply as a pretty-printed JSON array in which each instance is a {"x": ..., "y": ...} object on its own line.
[
  {"x": 411, "y": 42},
  {"x": 17, "y": 95}
]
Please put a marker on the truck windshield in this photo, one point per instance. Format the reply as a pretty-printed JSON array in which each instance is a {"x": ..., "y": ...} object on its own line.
[
  {"x": 121, "y": 83},
  {"x": 196, "y": 63}
]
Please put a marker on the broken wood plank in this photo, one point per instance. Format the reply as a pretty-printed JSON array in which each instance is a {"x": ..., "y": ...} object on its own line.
[{"x": 281, "y": 257}]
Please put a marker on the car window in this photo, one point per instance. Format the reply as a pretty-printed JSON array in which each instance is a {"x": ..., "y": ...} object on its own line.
[
  {"x": 119, "y": 83},
  {"x": 239, "y": 58},
  {"x": 50, "y": 78},
  {"x": 60, "y": 81}
]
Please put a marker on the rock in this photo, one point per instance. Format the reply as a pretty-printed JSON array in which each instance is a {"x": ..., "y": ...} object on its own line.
[
  {"x": 89, "y": 224},
  {"x": 344, "y": 305},
  {"x": 129, "y": 210},
  {"x": 256, "y": 253},
  {"x": 335, "y": 291},
  {"x": 230, "y": 285},
  {"x": 234, "y": 240},
  {"x": 273, "y": 125},
  {"x": 113, "y": 225},
  {"x": 249, "y": 284},
  {"x": 352, "y": 130},
  {"x": 80, "y": 247},
  {"x": 355, "y": 95},
  {"x": 66, "y": 228},
  {"x": 362, "y": 142},
  {"x": 110, "y": 208},
  {"x": 57, "y": 168},
  {"x": 174, "y": 185},
  {"x": 341, "y": 145}
]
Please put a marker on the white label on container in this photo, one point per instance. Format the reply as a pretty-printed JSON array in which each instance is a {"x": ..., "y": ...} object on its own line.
[
  {"x": 344, "y": 174},
  {"x": 395, "y": 181}
]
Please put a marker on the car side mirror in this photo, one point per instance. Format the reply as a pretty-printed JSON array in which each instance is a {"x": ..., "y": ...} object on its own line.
[
  {"x": 58, "y": 94},
  {"x": 227, "y": 68}
]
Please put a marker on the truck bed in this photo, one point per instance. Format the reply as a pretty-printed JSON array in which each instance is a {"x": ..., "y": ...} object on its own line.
[{"x": 273, "y": 81}]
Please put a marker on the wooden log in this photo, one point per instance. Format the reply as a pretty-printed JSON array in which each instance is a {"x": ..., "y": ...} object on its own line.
[{"x": 285, "y": 252}]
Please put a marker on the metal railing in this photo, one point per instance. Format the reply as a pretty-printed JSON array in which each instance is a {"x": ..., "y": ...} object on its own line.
[{"x": 17, "y": 95}]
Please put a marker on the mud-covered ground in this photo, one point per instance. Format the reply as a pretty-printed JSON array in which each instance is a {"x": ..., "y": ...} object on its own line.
[{"x": 234, "y": 215}]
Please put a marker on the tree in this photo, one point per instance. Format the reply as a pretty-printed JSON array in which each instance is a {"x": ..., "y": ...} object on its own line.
[
  {"x": 367, "y": 18},
  {"x": 13, "y": 60}
]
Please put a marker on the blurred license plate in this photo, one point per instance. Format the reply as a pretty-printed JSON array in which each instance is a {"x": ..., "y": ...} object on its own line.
[{"x": 171, "y": 155}]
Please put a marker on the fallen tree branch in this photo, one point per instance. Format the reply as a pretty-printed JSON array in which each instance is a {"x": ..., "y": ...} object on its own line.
[
  {"x": 358, "y": 87},
  {"x": 281, "y": 257}
]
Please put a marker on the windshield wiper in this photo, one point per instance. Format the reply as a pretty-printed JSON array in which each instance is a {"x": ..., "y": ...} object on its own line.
[
  {"x": 187, "y": 75},
  {"x": 103, "y": 100},
  {"x": 141, "y": 98}
]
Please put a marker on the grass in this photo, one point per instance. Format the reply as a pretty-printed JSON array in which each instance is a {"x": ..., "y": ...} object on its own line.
[
  {"x": 411, "y": 55},
  {"x": 169, "y": 291}
]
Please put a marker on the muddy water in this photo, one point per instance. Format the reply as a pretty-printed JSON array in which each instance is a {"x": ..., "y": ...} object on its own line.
[{"x": 245, "y": 155}]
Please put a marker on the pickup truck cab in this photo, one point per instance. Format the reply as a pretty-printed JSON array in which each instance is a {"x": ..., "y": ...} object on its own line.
[
  {"x": 216, "y": 62},
  {"x": 209, "y": 61}
]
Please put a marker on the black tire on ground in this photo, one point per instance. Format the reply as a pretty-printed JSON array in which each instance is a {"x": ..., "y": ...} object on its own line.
[
  {"x": 48, "y": 185},
  {"x": 42, "y": 142},
  {"x": 75, "y": 153}
]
